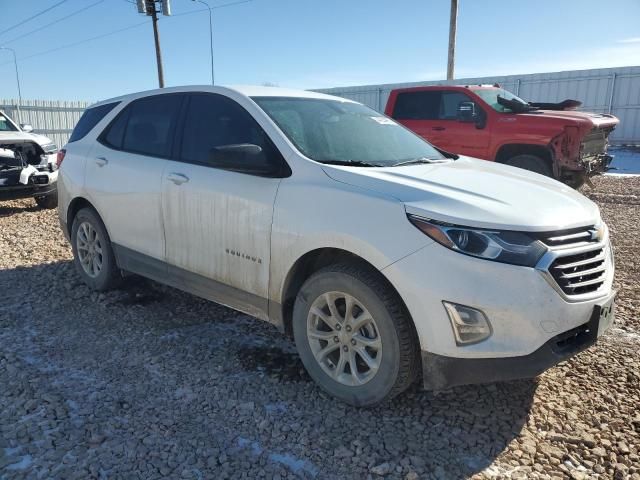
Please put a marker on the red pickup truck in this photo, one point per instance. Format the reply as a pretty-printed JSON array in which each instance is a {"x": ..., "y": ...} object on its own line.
[{"x": 491, "y": 123}]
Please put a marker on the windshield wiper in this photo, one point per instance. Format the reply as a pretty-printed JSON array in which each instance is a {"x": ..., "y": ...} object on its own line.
[
  {"x": 415, "y": 161},
  {"x": 351, "y": 163}
]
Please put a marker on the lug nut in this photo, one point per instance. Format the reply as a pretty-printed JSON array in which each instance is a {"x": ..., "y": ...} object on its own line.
[
  {"x": 345, "y": 348},
  {"x": 336, "y": 339},
  {"x": 348, "y": 328},
  {"x": 353, "y": 342},
  {"x": 338, "y": 327}
]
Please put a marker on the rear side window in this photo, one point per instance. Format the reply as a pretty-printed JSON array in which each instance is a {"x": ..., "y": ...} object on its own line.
[
  {"x": 417, "y": 106},
  {"x": 145, "y": 126},
  {"x": 90, "y": 119}
]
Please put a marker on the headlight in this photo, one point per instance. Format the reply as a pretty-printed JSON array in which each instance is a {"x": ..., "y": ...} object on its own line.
[{"x": 516, "y": 248}]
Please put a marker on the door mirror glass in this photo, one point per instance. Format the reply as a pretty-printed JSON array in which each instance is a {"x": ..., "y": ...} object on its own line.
[
  {"x": 241, "y": 157},
  {"x": 467, "y": 112},
  {"x": 26, "y": 127}
]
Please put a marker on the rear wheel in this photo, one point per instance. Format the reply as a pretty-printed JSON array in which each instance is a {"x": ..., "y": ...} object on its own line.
[
  {"x": 47, "y": 201},
  {"x": 93, "y": 255},
  {"x": 532, "y": 163},
  {"x": 354, "y": 336}
]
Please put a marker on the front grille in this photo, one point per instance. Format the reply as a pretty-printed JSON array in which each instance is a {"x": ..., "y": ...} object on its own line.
[{"x": 580, "y": 272}]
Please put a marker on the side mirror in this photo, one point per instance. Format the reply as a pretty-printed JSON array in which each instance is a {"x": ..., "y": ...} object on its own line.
[
  {"x": 26, "y": 127},
  {"x": 241, "y": 157},
  {"x": 467, "y": 112}
]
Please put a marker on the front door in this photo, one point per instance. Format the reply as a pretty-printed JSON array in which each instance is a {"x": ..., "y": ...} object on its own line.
[
  {"x": 217, "y": 219},
  {"x": 464, "y": 138}
]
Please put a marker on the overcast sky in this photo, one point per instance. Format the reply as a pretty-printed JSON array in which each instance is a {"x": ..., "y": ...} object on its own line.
[{"x": 303, "y": 43}]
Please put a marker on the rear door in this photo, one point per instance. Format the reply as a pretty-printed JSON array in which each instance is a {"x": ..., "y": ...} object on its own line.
[
  {"x": 419, "y": 111},
  {"x": 124, "y": 174},
  {"x": 217, "y": 220}
]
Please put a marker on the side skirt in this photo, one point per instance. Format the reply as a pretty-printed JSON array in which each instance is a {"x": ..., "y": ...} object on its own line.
[{"x": 190, "y": 282}]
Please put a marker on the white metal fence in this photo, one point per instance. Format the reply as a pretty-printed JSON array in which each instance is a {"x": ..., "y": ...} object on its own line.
[
  {"x": 604, "y": 90},
  {"x": 53, "y": 118}
]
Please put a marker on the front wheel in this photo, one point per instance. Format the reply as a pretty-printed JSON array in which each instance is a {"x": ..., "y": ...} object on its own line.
[
  {"x": 47, "y": 201},
  {"x": 532, "y": 163},
  {"x": 354, "y": 335}
]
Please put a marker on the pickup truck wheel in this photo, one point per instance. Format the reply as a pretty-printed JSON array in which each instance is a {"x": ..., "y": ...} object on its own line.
[
  {"x": 354, "y": 335},
  {"x": 532, "y": 163},
  {"x": 92, "y": 252},
  {"x": 48, "y": 201}
]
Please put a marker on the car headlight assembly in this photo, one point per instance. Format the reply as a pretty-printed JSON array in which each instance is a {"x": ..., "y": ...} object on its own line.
[{"x": 516, "y": 248}]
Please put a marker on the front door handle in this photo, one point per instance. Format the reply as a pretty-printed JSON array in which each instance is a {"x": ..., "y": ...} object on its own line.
[
  {"x": 438, "y": 129},
  {"x": 101, "y": 161},
  {"x": 177, "y": 178}
]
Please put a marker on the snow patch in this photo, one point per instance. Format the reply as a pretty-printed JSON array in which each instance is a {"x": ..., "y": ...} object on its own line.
[{"x": 23, "y": 464}]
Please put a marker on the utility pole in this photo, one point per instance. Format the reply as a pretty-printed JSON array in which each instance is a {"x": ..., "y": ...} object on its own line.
[
  {"x": 453, "y": 22},
  {"x": 156, "y": 37},
  {"x": 149, "y": 7}
]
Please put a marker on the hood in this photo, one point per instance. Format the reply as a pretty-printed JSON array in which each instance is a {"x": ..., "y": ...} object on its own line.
[
  {"x": 600, "y": 120},
  {"x": 23, "y": 136},
  {"x": 477, "y": 193}
]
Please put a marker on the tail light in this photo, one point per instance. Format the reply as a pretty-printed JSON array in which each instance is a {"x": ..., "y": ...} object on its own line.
[{"x": 60, "y": 157}]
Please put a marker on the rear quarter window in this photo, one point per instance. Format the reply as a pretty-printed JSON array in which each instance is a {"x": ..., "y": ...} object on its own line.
[
  {"x": 90, "y": 119},
  {"x": 421, "y": 105}
]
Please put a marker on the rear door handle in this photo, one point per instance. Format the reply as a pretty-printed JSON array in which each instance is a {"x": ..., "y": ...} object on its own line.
[
  {"x": 438, "y": 129},
  {"x": 177, "y": 178},
  {"x": 101, "y": 161}
]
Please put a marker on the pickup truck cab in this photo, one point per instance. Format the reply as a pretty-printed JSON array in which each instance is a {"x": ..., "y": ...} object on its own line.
[
  {"x": 385, "y": 259},
  {"x": 488, "y": 122}
]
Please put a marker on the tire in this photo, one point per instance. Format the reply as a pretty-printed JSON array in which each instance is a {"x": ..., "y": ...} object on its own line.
[
  {"x": 576, "y": 181},
  {"x": 108, "y": 275},
  {"x": 390, "y": 336},
  {"x": 532, "y": 163},
  {"x": 48, "y": 201}
]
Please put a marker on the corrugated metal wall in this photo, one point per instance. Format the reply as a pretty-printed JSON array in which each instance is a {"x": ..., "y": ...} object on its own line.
[
  {"x": 53, "y": 118},
  {"x": 604, "y": 90}
]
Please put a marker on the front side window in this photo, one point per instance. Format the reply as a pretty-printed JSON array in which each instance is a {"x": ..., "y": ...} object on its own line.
[
  {"x": 90, "y": 119},
  {"x": 6, "y": 125},
  {"x": 146, "y": 126},
  {"x": 334, "y": 131},
  {"x": 420, "y": 105},
  {"x": 490, "y": 95},
  {"x": 450, "y": 103},
  {"x": 217, "y": 124}
]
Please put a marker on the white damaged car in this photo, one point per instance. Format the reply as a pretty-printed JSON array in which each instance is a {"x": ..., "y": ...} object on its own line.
[
  {"x": 386, "y": 259},
  {"x": 28, "y": 164}
]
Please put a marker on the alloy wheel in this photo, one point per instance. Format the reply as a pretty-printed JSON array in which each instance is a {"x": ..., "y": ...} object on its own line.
[{"x": 344, "y": 338}]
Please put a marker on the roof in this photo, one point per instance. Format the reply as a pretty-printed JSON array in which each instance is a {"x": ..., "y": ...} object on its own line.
[{"x": 245, "y": 90}]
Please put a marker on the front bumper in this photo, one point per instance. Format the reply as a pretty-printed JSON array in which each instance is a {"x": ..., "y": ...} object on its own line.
[
  {"x": 440, "y": 372},
  {"x": 527, "y": 314},
  {"x": 17, "y": 192}
]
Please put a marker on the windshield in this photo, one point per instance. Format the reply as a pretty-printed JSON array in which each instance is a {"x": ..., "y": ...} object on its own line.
[
  {"x": 490, "y": 95},
  {"x": 344, "y": 132},
  {"x": 6, "y": 125}
]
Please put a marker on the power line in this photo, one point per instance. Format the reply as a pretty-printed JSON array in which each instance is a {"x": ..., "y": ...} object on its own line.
[
  {"x": 113, "y": 32},
  {"x": 86, "y": 40},
  {"x": 32, "y": 17},
  {"x": 54, "y": 22}
]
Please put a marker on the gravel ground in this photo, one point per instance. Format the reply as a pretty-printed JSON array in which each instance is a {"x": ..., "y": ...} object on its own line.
[{"x": 149, "y": 382}]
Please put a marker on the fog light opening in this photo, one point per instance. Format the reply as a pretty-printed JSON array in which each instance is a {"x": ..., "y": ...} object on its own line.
[{"x": 469, "y": 325}]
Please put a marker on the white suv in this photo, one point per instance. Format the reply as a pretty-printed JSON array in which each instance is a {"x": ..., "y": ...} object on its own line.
[{"x": 385, "y": 258}]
